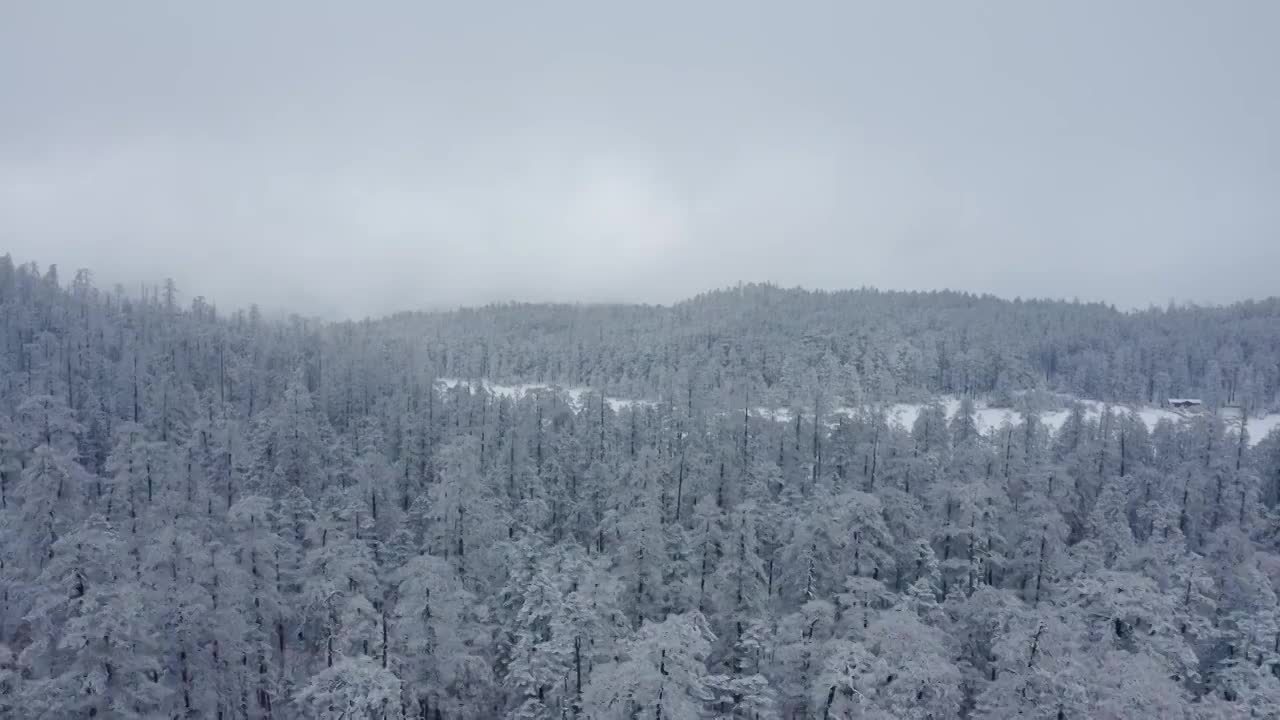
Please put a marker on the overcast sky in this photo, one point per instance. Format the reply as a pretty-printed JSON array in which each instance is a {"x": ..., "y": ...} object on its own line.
[{"x": 348, "y": 158}]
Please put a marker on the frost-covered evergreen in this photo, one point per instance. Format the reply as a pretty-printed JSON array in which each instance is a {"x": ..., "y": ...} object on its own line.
[{"x": 235, "y": 517}]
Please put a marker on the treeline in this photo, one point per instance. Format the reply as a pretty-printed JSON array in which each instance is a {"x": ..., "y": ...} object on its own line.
[
  {"x": 239, "y": 518},
  {"x": 777, "y": 344}
]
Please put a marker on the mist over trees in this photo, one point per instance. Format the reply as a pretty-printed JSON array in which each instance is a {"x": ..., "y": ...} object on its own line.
[{"x": 220, "y": 515}]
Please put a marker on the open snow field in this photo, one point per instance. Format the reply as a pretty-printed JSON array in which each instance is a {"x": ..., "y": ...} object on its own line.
[
  {"x": 990, "y": 417},
  {"x": 902, "y": 413},
  {"x": 518, "y": 391}
]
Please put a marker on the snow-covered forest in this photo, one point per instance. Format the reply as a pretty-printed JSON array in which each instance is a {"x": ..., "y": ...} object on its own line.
[
  {"x": 781, "y": 345},
  {"x": 223, "y": 515}
]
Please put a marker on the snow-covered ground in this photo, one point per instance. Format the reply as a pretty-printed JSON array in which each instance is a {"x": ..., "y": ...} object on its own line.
[
  {"x": 573, "y": 395},
  {"x": 902, "y": 413},
  {"x": 993, "y": 417},
  {"x": 989, "y": 417}
]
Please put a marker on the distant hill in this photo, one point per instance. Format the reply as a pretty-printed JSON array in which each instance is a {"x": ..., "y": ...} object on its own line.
[{"x": 765, "y": 340}]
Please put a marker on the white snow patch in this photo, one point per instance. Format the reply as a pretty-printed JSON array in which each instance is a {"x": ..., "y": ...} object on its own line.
[
  {"x": 904, "y": 414},
  {"x": 573, "y": 395},
  {"x": 987, "y": 417},
  {"x": 1262, "y": 427}
]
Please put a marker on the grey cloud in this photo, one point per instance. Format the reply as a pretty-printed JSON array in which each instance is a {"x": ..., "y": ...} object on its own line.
[{"x": 344, "y": 159}]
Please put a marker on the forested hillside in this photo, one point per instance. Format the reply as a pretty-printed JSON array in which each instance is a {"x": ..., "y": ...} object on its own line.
[
  {"x": 219, "y": 515},
  {"x": 779, "y": 345}
]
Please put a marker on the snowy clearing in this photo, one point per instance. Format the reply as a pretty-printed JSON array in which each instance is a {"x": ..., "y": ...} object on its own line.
[
  {"x": 903, "y": 414},
  {"x": 988, "y": 417},
  {"x": 573, "y": 395}
]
